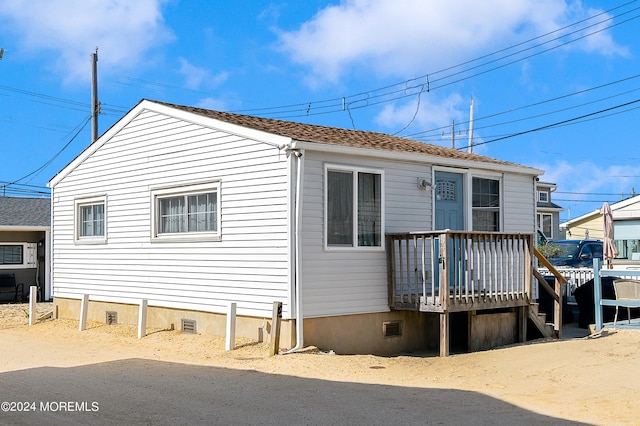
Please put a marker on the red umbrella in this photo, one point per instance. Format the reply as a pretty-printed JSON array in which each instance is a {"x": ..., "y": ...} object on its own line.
[{"x": 609, "y": 250}]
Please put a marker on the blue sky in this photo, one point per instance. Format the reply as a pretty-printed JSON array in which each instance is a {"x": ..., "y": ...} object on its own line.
[{"x": 555, "y": 84}]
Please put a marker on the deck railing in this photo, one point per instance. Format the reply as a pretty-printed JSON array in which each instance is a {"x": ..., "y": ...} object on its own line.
[{"x": 455, "y": 270}]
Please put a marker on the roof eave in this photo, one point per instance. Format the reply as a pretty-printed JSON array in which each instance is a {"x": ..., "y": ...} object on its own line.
[
  {"x": 21, "y": 228},
  {"x": 415, "y": 157}
]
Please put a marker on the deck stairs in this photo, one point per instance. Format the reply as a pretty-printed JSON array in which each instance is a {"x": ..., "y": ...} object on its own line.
[{"x": 539, "y": 319}]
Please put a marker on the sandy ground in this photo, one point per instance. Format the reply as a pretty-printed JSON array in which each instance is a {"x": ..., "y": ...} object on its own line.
[{"x": 105, "y": 375}]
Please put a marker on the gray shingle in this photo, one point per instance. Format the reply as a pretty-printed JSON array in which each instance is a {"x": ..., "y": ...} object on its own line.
[{"x": 19, "y": 211}]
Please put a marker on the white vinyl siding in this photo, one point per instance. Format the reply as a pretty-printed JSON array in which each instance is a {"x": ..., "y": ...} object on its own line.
[
  {"x": 519, "y": 203},
  {"x": 354, "y": 281},
  {"x": 248, "y": 264}
]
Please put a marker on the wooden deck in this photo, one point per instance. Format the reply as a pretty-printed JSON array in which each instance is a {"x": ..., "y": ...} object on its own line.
[
  {"x": 444, "y": 272},
  {"x": 453, "y": 271}
]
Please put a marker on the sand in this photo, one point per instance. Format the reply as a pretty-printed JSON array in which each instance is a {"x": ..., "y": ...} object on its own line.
[{"x": 594, "y": 380}]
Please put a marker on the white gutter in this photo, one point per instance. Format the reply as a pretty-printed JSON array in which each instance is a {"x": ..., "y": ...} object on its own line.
[{"x": 297, "y": 155}]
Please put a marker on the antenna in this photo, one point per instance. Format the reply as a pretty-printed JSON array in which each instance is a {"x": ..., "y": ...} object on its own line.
[{"x": 470, "y": 144}]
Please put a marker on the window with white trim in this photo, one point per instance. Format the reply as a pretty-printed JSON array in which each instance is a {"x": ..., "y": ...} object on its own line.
[
  {"x": 485, "y": 208},
  {"x": 91, "y": 219},
  {"x": 543, "y": 196},
  {"x": 18, "y": 255},
  {"x": 187, "y": 212},
  {"x": 353, "y": 208}
]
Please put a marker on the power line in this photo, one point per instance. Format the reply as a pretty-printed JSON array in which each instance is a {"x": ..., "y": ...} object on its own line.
[
  {"x": 557, "y": 98},
  {"x": 80, "y": 127},
  {"x": 557, "y": 124}
]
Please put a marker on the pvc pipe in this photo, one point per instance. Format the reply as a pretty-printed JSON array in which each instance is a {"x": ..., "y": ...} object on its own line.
[{"x": 297, "y": 262}]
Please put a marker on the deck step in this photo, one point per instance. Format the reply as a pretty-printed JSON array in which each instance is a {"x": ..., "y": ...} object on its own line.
[{"x": 539, "y": 319}]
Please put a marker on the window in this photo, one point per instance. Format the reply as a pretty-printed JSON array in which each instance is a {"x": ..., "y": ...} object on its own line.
[
  {"x": 91, "y": 220},
  {"x": 11, "y": 254},
  {"x": 545, "y": 224},
  {"x": 18, "y": 255},
  {"x": 353, "y": 208},
  {"x": 190, "y": 212},
  {"x": 543, "y": 196},
  {"x": 486, "y": 204}
]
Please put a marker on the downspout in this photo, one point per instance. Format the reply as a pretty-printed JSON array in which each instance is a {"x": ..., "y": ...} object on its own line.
[{"x": 297, "y": 155}]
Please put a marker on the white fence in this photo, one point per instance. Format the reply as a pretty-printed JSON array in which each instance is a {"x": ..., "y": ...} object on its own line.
[{"x": 575, "y": 276}]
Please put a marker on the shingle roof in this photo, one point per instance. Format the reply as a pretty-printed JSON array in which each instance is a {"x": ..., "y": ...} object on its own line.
[
  {"x": 19, "y": 211},
  {"x": 337, "y": 136},
  {"x": 548, "y": 205}
]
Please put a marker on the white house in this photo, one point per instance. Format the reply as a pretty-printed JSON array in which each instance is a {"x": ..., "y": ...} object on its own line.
[
  {"x": 192, "y": 209},
  {"x": 626, "y": 227}
]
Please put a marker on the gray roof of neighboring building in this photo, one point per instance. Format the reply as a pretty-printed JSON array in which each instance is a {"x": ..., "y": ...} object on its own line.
[
  {"x": 28, "y": 212},
  {"x": 548, "y": 205}
]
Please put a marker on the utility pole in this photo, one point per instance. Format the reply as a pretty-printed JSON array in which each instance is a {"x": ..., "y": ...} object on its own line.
[
  {"x": 470, "y": 144},
  {"x": 95, "y": 104},
  {"x": 452, "y": 135},
  {"x": 1, "y": 52}
]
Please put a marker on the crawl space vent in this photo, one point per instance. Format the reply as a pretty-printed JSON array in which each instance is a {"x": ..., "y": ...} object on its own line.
[
  {"x": 188, "y": 326},
  {"x": 392, "y": 328},
  {"x": 111, "y": 318}
]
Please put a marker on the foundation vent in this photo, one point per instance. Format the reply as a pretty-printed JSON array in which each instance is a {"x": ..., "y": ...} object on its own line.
[
  {"x": 392, "y": 328},
  {"x": 111, "y": 317},
  {"x": 188, "y": 326}
]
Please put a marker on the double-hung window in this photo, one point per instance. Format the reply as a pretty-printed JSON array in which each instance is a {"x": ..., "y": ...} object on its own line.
[
  {"x": 91, "y": 220},
  {"x": 189, "y": 212},
  {"x": 485, "y": 204},
  {"x": 354, "y": 215}
]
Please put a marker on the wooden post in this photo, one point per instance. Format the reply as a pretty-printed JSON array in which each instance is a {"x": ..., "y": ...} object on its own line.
[
  {"x": 231, "y": 327},
  {"x": 142, "y": 319},
  {"x": 444, "y": 334},
  {"x": 275, "y": 328},
  {"x": 33, "y": 290},
  {"x": 84, "y": 304},
  {"x": 557, "y": 324},
  {"x": 523, "y": 312}
]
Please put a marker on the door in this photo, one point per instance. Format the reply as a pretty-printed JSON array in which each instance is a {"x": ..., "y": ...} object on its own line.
[{"x": 448, "y": 204}]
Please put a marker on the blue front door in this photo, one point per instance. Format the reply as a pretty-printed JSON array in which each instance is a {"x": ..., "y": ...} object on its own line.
[{"x": 449, "y": 213}]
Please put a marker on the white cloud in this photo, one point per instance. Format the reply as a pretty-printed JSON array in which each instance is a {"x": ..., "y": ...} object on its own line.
[
  {"x": 212, "y": 104},
  {"x": 406, "y": 37},
  {"x": 122, "y": 30},
  {"x": 196, "y": 77},
  {"x": 432, "y": 112}
]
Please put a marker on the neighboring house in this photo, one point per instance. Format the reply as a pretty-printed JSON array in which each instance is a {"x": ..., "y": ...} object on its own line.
[
  {"x": 25, "y": 225},
  {"x": 547, "y": 212},
  {"x": 192, "y": 209},
  {"x": 626, "y": 227}
]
